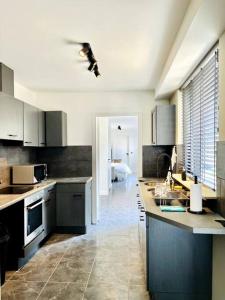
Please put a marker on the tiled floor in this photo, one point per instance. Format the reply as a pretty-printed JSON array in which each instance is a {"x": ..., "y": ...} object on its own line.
[{"x": 104, "y": 264}]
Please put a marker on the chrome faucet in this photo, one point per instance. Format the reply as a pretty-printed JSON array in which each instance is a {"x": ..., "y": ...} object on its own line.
[
  {"x": 170, "y": 166},
  {"x": 171, "y": 182}
]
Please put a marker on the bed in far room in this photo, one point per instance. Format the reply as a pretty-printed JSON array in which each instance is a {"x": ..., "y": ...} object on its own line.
[{"x": 120, "y": 170}]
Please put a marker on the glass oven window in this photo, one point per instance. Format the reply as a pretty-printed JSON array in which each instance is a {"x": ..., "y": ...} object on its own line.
[{"x": 34, "y": 217}]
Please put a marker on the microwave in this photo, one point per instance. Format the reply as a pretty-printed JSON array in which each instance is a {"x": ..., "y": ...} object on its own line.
[{"x": 28, "y": 174}]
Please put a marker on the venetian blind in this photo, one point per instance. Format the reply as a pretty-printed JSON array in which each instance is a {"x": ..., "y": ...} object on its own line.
[{"x": 200, "y": 122}]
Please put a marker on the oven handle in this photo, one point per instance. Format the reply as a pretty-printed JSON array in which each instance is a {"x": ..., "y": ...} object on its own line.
[{"x": 35, "y": 205}]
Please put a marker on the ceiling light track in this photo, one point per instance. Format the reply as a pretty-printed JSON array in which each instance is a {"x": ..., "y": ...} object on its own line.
[{"x": 87, "y": 52}]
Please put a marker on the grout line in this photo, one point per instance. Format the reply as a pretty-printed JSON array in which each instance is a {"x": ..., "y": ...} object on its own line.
[
  {"x": 53, "y": 272},
  {"x": 88, "y": 278}
]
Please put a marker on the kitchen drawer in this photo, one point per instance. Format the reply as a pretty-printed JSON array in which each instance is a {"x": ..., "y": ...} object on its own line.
[{"x": 71, "y": 188}]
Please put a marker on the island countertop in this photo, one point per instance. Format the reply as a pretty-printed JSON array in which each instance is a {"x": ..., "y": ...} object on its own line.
[{"x": 198, "y": 224}]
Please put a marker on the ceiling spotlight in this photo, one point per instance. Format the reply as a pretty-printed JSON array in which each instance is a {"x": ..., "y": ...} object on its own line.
[
  {"x": 96, "y": 71},
  {"x": 92, "y": 65},
  {"x": 119, "y": 127},
  {"x": 84, "y": 51}
]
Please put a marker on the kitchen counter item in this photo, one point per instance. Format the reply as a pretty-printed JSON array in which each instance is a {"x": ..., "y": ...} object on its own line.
[
  {"x": 7, "y": 200},
  {"x": 199, "y": 224},
  {"x": 15, "y": 190},
  {"x": 167, "y": 208},
  {"x": 207, "y": 193}
]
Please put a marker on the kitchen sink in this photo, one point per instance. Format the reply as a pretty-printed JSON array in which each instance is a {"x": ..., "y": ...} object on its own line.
[{"x": 171, "y": 198}]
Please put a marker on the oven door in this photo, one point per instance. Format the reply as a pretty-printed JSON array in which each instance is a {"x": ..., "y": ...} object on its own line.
[{"x": 33, "y": 224}]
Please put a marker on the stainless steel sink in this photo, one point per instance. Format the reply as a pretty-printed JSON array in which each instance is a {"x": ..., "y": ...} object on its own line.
[{"x": 171, "y": 198}]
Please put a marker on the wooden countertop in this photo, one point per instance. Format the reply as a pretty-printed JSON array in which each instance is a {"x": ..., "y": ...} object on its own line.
[
  {"x": 198, "y": 224},
  {"x": 81, "y": 180},
  {"x": 8, "y": 200}
]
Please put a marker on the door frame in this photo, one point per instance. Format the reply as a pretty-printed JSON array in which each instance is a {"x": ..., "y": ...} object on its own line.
[{"x": 95, "y": 200}]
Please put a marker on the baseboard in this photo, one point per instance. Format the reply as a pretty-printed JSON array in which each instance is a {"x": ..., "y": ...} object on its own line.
[{"x": 71, "y": 229}]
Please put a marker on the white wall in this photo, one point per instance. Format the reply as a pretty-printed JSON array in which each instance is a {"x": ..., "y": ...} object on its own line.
[
  {"x": 177, "y": 100},
  {"x": 24, "y": 94},
  {"x": 82, "y": 107},
  {"x": 119, "y": 137},
  {"x": 102, "y": 151}
]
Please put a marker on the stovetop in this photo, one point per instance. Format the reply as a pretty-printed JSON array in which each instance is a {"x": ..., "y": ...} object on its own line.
[{"x": 13, "y": 190}]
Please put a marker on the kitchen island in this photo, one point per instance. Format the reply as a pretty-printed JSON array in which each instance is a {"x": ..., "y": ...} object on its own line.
[{"x": 178, "y": 249}]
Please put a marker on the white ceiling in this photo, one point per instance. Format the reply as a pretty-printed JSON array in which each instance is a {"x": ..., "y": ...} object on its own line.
[
  {"x": 204, "y": 22},
  {"x": 131, "y": 40}
]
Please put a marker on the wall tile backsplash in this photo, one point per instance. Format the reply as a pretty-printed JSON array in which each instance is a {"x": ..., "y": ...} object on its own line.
[
  {"x": 69, "y": 161},
  {"x": 149, "y": 161}
]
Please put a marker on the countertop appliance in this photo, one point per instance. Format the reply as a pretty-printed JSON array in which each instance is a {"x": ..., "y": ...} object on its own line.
[
  {"x": 15, "y": 190},
  {"x": 28, "y": 174},
  {"x": 33, "y": 216}
]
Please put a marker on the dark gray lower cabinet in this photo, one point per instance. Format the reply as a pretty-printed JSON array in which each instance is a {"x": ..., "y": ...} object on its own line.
[
  {"x": 73, "y": 213},
  {"x": 49, "y": 210},
  {"x": 179, "y": 262}
]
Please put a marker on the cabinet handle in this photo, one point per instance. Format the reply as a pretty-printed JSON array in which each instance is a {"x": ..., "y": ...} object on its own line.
[
  {"x": 14, "y": 135},
  {"x": 28, "y": 142},
  {"x": 141, "y": 219},
  {"x": 42, "y": 143},
  {"x": 77, "y": 195}
]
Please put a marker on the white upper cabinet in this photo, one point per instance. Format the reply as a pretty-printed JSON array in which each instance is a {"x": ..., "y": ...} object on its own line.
[
  {"x": 11, "y": 118},
  {"x": 163, "y": 125}
]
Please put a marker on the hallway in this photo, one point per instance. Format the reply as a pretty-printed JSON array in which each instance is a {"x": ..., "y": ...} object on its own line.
[{"x": 104, "y": 264}]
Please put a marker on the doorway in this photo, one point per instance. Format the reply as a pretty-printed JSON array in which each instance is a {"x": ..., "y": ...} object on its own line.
[{"x": 116, "y": 155}]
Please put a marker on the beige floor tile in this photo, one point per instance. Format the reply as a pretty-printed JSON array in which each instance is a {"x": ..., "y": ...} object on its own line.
[
  {"x": 68, "y": 271},
  {"x": 138, "y": 292},
  {"x": 62, "y": 291},
  {"x": 106, "y": 292},
  {"x": 12, "y": 290}
]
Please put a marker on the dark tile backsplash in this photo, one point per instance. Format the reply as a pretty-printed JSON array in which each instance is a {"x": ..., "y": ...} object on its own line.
[
  {"x": 16, "y": 154},
  {"x": 150, "y": 157},
  {"x": 180, "y": 158},
  {"x": 69, "y": 161}
]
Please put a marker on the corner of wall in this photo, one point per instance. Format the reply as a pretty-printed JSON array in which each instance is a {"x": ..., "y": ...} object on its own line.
[{"x": 25, "y": 94}]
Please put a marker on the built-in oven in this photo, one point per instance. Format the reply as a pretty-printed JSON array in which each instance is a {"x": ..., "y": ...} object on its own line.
[{"x": 33, "y": 216}]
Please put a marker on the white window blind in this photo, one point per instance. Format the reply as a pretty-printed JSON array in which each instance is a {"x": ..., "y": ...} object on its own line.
[{"x": 200, "y": 122}]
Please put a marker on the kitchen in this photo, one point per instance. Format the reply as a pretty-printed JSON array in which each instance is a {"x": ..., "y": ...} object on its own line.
[{"x": 62, "y": 241}]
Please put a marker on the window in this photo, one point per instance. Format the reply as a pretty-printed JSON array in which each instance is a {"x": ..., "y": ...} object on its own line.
[{"x": 200, "y": 121}]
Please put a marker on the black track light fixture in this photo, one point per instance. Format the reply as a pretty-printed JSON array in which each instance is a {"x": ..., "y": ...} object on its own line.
[
  {"x": 86, "y": 51},
  {"x": 96, "y": 71},
  {"x": 119, "y": 127},
  {"x": 92, "y": 65}
]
